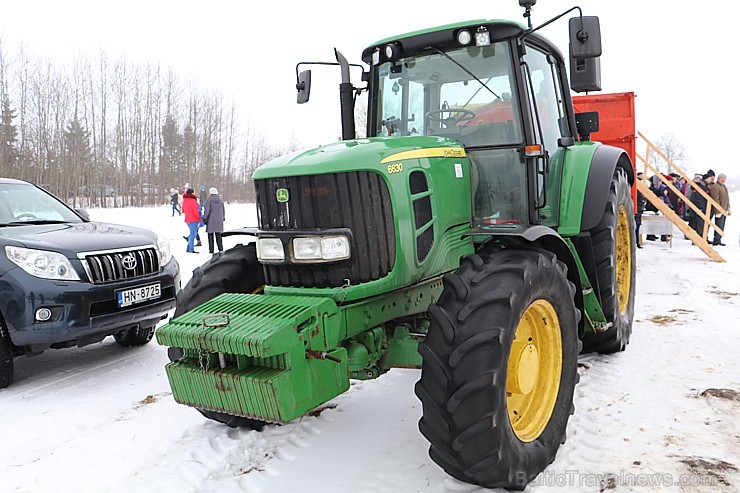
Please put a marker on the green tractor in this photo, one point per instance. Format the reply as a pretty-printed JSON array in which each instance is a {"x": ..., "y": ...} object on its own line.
[{"x": 471, "y": 234}]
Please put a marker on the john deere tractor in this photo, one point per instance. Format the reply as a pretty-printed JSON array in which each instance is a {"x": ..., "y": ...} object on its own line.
[{"x": 472, "y": 234}]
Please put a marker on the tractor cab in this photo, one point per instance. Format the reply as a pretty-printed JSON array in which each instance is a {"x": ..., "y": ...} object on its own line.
[{"x": 501, "y": 94}]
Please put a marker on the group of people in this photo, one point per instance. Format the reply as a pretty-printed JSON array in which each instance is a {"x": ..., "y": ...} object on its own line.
[
  {"x": 717, "y": 190},
  {"x": 209, "y": 211}
]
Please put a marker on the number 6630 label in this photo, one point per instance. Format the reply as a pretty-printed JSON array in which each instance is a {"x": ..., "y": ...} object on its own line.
[{"x": 395, "y": 168}]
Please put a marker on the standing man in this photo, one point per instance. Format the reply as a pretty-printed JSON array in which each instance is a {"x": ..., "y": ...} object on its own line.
[
  {"x": 203, "y": 197},
  {"x": 718, "y": 192},
  {"x": 192, "y": 217},
  {"x": 641, "y": 201},
  {"x": 214, "y": 216},
  {"x": 700, "y": 202},
  {"x": 202, "y": 204},
  {"x": 175, "y": 201}
]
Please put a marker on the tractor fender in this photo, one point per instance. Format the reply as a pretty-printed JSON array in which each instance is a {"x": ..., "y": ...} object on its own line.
[
  {"x": 543, "y": 237},
  {"x": 247, "y": 231},
  {"x": 605, "y": 161}
]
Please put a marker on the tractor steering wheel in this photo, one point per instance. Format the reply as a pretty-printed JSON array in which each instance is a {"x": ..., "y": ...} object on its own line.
[{"x": 464, "y": 116}]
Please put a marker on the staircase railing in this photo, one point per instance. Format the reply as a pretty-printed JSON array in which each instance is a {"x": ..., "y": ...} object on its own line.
[{"x": 669, "y": 213}]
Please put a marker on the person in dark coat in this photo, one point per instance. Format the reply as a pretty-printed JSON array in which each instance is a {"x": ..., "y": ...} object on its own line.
[
  {"x": 175, "y": 202},
  {"x": 202, "y": 203},
  {"x": 641, "y": 202},
  {"x": 192, "y": 217},
  {"x": 700, "y": 202},
  {"x": 214, "y": 216}
]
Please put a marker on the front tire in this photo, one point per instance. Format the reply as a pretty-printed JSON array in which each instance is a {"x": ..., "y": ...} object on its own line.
[
  {"x": 234, "y": 271},
  {"x": 6, "y": 357},
  {"x": 499, "y": 367},
  {"x": 614, "y": 252}
]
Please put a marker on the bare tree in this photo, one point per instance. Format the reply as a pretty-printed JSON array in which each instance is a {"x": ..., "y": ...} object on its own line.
[
  {"x": 672, "y": 148},
  {"x": 99, "y": 127}
]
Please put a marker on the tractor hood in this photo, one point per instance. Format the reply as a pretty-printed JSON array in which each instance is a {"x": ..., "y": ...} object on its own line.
[{"x": 371, "y": 154}]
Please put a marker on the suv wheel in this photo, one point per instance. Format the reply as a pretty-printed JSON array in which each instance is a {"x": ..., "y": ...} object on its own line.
[{"x": 6, "y": 358}]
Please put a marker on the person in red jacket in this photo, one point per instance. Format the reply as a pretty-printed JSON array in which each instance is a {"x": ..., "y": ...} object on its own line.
[{"x": 192, "y": 216}]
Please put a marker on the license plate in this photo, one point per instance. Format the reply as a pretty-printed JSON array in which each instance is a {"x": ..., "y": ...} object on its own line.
[{"x": 127, "y": 297}]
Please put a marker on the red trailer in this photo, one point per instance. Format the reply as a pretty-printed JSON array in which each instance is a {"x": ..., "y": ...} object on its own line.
[{"x": 616, "y": 121}]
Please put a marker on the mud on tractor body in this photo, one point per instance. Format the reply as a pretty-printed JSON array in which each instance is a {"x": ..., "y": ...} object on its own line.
[{"x": 471, "y": 234}]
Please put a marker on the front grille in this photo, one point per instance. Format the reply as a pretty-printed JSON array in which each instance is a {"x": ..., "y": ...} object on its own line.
[
  {"x": 116, "y": 266},
  {"x": 356, "y": 200}
]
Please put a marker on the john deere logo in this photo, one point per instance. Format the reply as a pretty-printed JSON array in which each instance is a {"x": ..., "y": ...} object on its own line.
[{"x": 282, "y": 195}]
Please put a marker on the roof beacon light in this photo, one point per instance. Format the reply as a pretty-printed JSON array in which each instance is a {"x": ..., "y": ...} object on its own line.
[
  {"x": 464, "y": 37},
  {"x": 482, "y": 37}
]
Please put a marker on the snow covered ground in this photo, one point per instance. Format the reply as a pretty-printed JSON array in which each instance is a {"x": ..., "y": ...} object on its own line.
[{"x": 661, "y": 416}]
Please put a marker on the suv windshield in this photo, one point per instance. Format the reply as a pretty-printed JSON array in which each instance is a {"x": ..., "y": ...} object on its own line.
[
  {"x": 21, "y": 203},
  {"x": 464, "y": 94}
]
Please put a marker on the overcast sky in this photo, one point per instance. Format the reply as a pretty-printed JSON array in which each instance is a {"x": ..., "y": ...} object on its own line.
[{"x": 675, "y": 55}]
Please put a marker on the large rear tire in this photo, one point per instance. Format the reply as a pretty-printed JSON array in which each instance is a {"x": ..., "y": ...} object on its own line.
[
  {"x": 614, "y": 252},
  {"x": 234, "y": 271},
  {"x": 6, "y": 357},
  {"x": 499, "y": 367}
]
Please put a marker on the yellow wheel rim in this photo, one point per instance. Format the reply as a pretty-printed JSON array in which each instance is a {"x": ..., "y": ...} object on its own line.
[
  {"x": 624, "y": 260},
  {"x": 534, "y": 369}
]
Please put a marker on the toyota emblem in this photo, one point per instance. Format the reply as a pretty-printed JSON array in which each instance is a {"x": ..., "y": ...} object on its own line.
[{"x": 129, "y": 262}]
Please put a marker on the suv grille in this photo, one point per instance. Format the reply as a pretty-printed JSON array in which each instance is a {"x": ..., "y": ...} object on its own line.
[
  {"x": 357, "y": 200},
  {"x": 116, "y": 266}
]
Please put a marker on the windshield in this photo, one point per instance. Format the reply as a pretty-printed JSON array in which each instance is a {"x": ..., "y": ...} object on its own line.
[
  {"x": 21, "y": 203},
  {"x": 464, "y": 94}
]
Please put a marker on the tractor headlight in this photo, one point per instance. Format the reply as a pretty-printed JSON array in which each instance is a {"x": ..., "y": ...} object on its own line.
[
  {"x": 270, "y": 250},
  {"x": 321, "y": 248},
  {"x": 464, "y": 37},
  {"x": 307, "y": 248},
  {"x": 43, "y": 264}
]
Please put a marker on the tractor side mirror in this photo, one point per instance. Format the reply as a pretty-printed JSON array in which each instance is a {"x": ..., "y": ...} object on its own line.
[
  {"x": 304, "y": 86},
  {"x": 585, "y": 74},
  {"x": 585, "y": 37},
  {"x": 585, "y": 50}
]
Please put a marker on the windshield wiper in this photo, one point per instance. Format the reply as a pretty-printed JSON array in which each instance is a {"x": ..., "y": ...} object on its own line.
[
  {"x": 444, "y": 54},
  {"x": 36, "y": 222}
]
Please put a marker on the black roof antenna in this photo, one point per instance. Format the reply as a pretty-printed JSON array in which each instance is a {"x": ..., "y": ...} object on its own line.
[{"x": 528, "y": 4}]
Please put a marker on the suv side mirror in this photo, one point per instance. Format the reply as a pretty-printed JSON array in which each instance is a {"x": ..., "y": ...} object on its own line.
[
  {"x": 585, "y": 37},
  {"x": 304, "y": 86},
  {"x": 83, "y": 214}
]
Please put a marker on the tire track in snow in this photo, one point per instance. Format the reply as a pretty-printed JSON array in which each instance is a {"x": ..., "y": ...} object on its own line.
[
  {"x": 26, "y": 391},
  {"x": 215, "y": 458}
]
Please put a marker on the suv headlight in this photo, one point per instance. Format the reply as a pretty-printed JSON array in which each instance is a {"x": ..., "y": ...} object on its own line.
[
  {"x": 164, "y": 250},
  {"x": 43, "y": 264}
]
